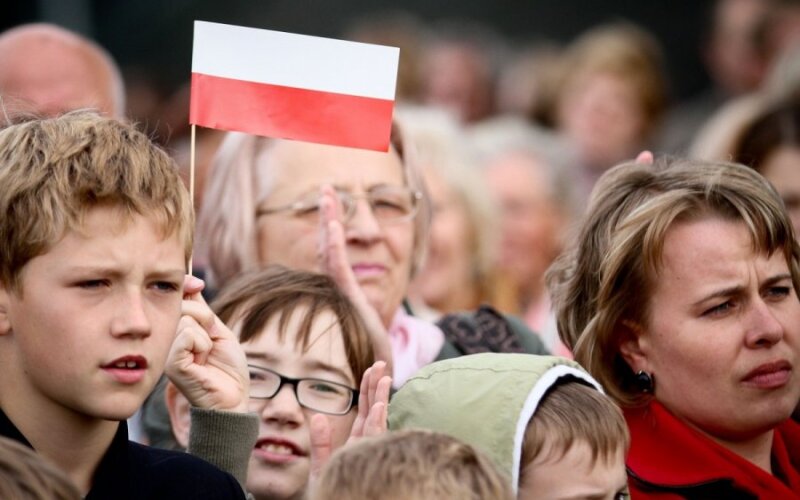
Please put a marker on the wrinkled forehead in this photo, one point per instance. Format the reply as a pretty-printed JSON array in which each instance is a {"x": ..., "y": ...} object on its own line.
[{"x": 295, "y": 164}]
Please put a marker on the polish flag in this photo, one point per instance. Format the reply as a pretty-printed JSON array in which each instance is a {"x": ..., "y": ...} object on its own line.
[{"x": 293, "y": 86}]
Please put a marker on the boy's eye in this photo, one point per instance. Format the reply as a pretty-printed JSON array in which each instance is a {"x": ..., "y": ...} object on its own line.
[
  {"x": 92, "y": 284},
  {"x": 166, "y": 286},
  {"x": 622, "y": 495}
]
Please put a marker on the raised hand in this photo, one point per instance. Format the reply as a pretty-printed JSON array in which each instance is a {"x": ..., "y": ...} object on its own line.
[
  {"x": 332, "y": 254},
  {"x": 206, "y": 361},
  {"x": 373, "y": 402}
]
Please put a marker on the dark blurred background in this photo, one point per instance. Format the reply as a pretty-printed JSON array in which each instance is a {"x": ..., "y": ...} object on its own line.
[{"x": 154, "y": 37}]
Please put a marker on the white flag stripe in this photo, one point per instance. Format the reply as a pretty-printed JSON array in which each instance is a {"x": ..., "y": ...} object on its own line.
[{"x": 291, "y": 60}]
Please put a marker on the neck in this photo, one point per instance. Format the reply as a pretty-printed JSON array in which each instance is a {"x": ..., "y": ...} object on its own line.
[
  {"x": 74, "y": 443},
  {"x": 757, "y": 450}
]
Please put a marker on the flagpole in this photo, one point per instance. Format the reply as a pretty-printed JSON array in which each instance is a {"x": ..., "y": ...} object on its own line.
[{"x": 191, "y": 183}]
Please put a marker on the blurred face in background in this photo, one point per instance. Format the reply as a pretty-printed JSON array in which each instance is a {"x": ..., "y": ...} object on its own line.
[
  {"x": 456, "y": 78},
  {"x": 782, "y": 169},
  {"x": 531, "y": 222},
  {"x": 600, "y": 115},
  {"x": 446, "y": 281}
]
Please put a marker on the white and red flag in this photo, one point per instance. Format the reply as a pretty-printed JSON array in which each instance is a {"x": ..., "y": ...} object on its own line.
[{"x": 293, "y": 86}]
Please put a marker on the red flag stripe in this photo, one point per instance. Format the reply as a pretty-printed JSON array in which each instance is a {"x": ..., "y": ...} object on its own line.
[{"x": 290, "y": 113}]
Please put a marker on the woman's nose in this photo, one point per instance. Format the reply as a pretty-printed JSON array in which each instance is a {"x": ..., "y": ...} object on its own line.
[{"x": 363, "y": 225}]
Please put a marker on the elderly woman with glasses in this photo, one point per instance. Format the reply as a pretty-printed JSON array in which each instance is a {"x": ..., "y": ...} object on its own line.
[
  {"x": 681, "y": 297},
  {"x": 361, "y": 216}
]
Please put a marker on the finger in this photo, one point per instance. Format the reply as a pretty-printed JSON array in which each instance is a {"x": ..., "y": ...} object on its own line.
[
  {"x": 192, "y": 344},
  {"x": 199, "y": 312},
  {"x": 384, "y": 389},
  {"x": 363, "y": 397},
  {"x": 645, "y": 158},
  {"x": 192, "y": 286},
  {"x": 376, "y": 375},
  {"x": 338, "y": 265},
  {"x": 321, "y": 447},
  {"x": 333, "y": 208},
  {"x": 376, "y": 422}
]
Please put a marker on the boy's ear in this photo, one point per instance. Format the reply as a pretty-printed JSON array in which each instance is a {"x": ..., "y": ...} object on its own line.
[
  {"x": 179, "y": 414},
  {"x": 633, "y": 346},
  {"x": 5, "y": 321}
]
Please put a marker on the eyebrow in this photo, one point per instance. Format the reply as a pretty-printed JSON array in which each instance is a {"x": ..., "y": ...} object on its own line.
[
  {"x": 311, "y": 365},
  {"x": 112, "y": 271},
  {"x": 738, "y": 289}
]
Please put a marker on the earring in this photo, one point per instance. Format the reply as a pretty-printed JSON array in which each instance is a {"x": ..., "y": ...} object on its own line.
[{"x": 645, "y": 381}]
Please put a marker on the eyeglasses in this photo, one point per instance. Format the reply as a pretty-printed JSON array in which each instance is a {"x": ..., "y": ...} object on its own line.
[
  {"x": 315, "y": 394},
  {"x": 388, "y": 204}
]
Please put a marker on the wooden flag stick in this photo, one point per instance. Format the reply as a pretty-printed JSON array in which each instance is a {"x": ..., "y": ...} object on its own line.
[{"x": 191, "y": 183}]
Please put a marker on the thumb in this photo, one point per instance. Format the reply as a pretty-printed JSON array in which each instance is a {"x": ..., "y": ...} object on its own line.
[
  {"x": 645, "y": 158},
  {"x": 321, "y": 447}
]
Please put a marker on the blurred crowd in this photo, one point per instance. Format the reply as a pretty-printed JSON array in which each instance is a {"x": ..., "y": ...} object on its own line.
[
  {"x": 508, "y": 140},
  {"x": 512, "y": 137}
]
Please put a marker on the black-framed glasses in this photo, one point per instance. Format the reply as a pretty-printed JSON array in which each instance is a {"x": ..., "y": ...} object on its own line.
[
  {"x": 388, "y": 204},
  {"x": 319, "y": 395}
]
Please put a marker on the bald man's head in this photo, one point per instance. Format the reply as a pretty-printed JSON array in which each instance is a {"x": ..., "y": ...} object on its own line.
[{"x": 46, "y": 70}]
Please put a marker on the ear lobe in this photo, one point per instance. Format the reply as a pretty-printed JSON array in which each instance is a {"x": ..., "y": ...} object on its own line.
[
  {"x": 179, "y": 414},
  {"x": 633, "y": 347},
  {"x": 5, "y": 321}
]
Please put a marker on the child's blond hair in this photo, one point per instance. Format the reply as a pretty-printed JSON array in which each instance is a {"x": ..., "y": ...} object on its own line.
[
  {"x": 414, "y": 463},
  {"x": 53, "y": 171}
]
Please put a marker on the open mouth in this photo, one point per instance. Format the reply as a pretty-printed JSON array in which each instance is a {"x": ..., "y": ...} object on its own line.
[
  {"x": 128, "y": 363},
  {"x": 275, "y": 450},
  {"x": 127, "y": 369}
]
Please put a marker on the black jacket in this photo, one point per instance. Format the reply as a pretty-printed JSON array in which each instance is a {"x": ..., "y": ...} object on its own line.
[{"x": 130, "y": 470}]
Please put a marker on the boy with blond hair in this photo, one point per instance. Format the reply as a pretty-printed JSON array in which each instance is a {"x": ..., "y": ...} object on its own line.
[
  {"x": 416, "y": 464},
  {"x": 95, "y": 238}
]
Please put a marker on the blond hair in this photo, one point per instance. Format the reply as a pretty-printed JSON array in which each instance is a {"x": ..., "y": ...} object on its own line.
[
  {"x": 572, "y": 412},
  {"x": 607, "y": 277},
  {"x": 54, "y": 171},
  {"x": 625, "y": 51},
  {"x": 241, "y": 179},
  {"x": 411, "y": 463}
]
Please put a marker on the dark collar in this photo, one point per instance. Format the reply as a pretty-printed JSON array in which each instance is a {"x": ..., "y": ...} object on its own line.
[
  {"x": 113, "y": 467},
  {"x": 9, "y": 430}
]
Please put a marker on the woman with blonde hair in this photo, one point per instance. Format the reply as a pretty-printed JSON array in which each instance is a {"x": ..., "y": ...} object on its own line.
[{"x": 680, "y": 297}]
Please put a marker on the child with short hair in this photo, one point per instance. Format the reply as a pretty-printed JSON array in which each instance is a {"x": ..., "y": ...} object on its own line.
[
  {"x": 542, "y": 419},
  {"x": 418, "y": 464},
  {"x": 95, "y": 238},
  {"x": 313, "y": 379}
]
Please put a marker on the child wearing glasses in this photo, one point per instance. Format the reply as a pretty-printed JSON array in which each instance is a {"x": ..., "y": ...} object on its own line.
[{"x": 312, "y": 380}]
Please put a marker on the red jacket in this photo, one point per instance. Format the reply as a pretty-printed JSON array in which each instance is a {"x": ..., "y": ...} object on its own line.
[{"x": 670, "y": 460}]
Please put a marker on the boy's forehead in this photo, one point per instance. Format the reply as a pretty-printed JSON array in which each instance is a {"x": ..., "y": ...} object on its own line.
[{"x": 114, "y": 218}]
